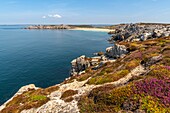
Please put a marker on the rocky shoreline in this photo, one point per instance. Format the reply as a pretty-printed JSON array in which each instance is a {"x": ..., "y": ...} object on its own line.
[
  {"x": 122, "y": 32},
  {"x": 139, "y": 32},
  {"x": 97, "y": 84},
  {"x": 80, "y": 64}
]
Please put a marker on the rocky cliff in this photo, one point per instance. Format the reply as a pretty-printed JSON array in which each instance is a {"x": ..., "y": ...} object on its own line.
[
  {"x": 139, "y": 31},
  {"x": 138, "y": 82},
  {"x": 116, "y": 51},
  {"x": 80, "y": 64}
]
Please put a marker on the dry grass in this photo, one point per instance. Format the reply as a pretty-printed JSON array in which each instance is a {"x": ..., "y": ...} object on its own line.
[
  {"x": 29, "y": 99},
  {"x": 67, "y": 95}
]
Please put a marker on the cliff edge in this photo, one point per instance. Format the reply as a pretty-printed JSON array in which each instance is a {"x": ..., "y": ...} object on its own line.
[{"x": 137, "y": 82}]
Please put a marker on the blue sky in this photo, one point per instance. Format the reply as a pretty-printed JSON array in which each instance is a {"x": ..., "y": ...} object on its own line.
[{"x": 83, "y": 11}]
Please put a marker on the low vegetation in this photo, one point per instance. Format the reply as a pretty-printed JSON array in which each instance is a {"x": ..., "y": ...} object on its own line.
[
  {"x": 149, "y": 93},
  {"x": 67, "y": 95},
  {"x": 29, "y": 99}
]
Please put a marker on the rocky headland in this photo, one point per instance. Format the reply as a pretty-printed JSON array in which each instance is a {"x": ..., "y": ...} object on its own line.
[
  {"x": 139, "y": 32},
  {"x": 62, "y": 26},
  {"x": 48, "y": 27},
  {"x": 70, "y": 27},
  {"x": 132, "y": 76}
]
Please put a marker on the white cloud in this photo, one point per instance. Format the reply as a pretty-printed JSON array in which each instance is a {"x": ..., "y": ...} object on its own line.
[
  {"x": 44, "y": 17},
  {"x": 52, "y": 16},
  {"x": 57, "y": 16}
]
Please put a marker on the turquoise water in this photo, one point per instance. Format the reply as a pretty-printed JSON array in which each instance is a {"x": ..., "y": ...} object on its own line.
[{"x": 41, "y": 57}]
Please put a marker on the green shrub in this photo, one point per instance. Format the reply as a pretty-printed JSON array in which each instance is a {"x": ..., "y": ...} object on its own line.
[
  {"x": 83, "y": 77},
  {"x": 151, "y": 105},
  {"x": 159, "y": 71},
  {"x": 104, "y": 99},
  {"x": 29, "y": 99},
  {"x": 37, "y": 97},
  {"x": 132, "y": 64},
  {"x": 108, "y": 77}
]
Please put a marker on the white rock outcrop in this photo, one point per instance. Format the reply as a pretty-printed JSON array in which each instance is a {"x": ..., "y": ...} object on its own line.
[
  {"x": 116, "y": 51},
  {"x": 78, "y": 65},
  {"x": 57, "y": 105}
]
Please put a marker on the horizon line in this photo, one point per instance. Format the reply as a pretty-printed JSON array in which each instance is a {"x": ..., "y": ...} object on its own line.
[{"x": 81, "y": 23}]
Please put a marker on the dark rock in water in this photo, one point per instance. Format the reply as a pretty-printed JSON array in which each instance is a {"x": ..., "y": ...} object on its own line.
[
  {"x": 99, "y": 53},
  {"x": 118, "y": 37},
  {"x": 111, "y": 32}
]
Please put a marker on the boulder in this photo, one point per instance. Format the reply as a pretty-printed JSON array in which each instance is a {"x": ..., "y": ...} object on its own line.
[
  {"x": 116, "y": 51},
  {"x": 78, "y": 65}
]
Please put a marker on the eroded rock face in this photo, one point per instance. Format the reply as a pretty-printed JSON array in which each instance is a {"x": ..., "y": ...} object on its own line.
[
  {"x": 26, "y": 88},
  {"x": 139, "y": 32},
  {"x": 116, "y": 51},
  {"x": 79, "y": 65}
]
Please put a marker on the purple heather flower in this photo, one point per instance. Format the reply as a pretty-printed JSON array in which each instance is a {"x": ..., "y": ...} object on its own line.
[
  {"x": 156, "y": 88},
  {"x": 167, "y": 67}
]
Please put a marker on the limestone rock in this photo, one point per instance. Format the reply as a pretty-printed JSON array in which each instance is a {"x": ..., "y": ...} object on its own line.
[
  {"x": 116, "y": 51},
  {"x": 79, "y": 65},
  {"x": 26, "y": 88},
  {"x": 138, "y": 32}
]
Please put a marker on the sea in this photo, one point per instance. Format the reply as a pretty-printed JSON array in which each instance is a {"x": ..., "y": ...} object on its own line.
[{"x": 41, "y": 57}]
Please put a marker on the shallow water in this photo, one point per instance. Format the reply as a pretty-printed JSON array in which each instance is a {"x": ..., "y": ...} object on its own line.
[{"x": 41, "y": 57}]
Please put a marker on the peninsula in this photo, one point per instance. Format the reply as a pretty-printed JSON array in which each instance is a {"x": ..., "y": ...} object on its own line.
[{"x": 71, "y": 27}]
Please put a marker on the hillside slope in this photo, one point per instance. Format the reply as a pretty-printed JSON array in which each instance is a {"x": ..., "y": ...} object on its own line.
[{"x": 139, "y": 82}]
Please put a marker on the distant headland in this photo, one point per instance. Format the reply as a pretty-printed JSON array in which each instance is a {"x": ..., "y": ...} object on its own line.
[{"x": 71, "y": 27}]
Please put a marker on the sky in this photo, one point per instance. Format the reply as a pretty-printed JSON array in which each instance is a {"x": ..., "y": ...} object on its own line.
[{"x": 83, "y": 11}]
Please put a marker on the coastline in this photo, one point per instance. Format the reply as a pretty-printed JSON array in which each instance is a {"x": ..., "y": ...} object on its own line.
[
  {"x": 129, "y": 67},
  {"x": 71, "y": 27},
  {"x": 93, "y": 29}
]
